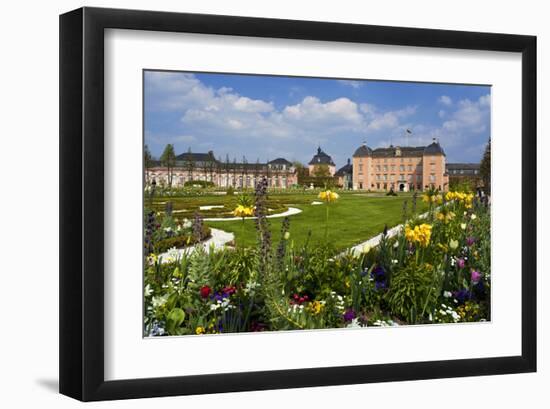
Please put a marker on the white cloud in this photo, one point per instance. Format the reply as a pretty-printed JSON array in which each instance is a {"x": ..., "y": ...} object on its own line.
[
  {"x": 222, "y": 117},
  {"x": 445, "y": 100},
  {"x": 352, "y": 83}
]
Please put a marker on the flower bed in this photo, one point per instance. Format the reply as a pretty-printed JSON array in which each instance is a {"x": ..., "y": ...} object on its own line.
[{"x": 437, "y": 270}]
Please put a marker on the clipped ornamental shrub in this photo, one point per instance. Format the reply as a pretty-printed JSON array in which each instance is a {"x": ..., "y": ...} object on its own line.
[
  {"x": 181, "y": 241},
  {"x": 198, "y": 183}
]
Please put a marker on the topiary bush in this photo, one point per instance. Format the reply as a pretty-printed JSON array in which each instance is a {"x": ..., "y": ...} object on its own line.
[{"x": 181, "y": 241}]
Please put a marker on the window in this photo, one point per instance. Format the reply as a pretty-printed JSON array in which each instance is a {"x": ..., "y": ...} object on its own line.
[
  {"x": 385, "y": 177},
  {"x": 401, "y": 177},
  {"x": 385, "y": 168},
  {"x": 432, "y": 178},
  {"x": 378, "y": 168},
  {"x": 392, "y": 177},
  {"x": 410, "y": 168},
  {"x": 393, "y": 168},
  {"x": 401, "y": 168},
  {"x": 432, "y": 167},
  {"x": 360, "y": 168}
]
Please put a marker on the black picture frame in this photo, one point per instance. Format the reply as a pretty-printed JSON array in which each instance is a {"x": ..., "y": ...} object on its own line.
[{"x": 82, "y": 200}]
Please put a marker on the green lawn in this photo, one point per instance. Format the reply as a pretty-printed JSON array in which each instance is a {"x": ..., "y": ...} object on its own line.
[{"x": 353, "y": 218}]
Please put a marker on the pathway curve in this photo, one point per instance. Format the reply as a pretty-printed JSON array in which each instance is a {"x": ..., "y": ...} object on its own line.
[
  {"x": 374, "y": 241},
  {"x": 218, "y": 240},
  {"x": 290, "y": 212}
]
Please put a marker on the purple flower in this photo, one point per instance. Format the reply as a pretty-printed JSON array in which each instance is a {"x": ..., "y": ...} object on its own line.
[
  {"x": 349, "y": 315},
  {"x": 380, "y": 285},
  {"x": 476, "y": 276},
  {"x": 460, "y": 263},
  {"x": 378, "y": 274},
  {"x": 461, "y": 296},
  {"x": 470, "y": 241}
]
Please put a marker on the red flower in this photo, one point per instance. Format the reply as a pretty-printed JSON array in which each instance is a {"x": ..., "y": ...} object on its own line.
[
  {"x": 205, "y": 291},
  {"x": 229, "y": 289}
]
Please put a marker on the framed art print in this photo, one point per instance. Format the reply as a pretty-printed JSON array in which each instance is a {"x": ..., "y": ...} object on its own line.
[{"x": 255, "y": 204}]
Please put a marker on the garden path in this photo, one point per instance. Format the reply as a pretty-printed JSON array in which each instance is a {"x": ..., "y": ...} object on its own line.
[
  {"x": 374, "y": 241},
  {"x": 290, "y": 212},
  {"x": 218, "y": 240}
]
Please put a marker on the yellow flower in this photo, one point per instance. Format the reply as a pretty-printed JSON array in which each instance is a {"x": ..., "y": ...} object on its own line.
[
  {"x": 200, "y": 330},
  {"x": 152, "y": 259},
  {"x": 453, "y": 244},
  {"x": 328, "y": 196},
  {"x": 366, "y": 249},
  {"x": 445, "y": 216},
  {"x": 243, "y": 211},
  {"x": 315, "y": 307},
  {"x": 420, "y": 234}
]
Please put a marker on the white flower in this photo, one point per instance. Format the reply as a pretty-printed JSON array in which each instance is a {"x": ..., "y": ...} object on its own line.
[
  {"x": 160, "y": 300},
  {"x": 354, "y": 323},
  {"x": 463, "y": 226},
  {"x": 287, "y": 235},
  {"x": 447, "y": 294},
  {"x": 396, "y": 244},
  {"x": 366, "y": 249},
  {"x": 394, "y": 261},
  {"x": 147, "y": 291},
  {"x": 473, "y": 216}
]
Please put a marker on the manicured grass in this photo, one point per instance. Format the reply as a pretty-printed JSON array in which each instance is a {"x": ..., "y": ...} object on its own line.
[
  {"x": 185, "y": 207},
  {"x": 353, "y": 218}
]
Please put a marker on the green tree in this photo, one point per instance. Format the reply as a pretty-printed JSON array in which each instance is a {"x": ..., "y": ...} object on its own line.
[
  {"x": 189, "y": 164},
  {"x": 147, "y": 162},
  {"x": 485, "y": 168},
  {"x": 168, "y": 160},
  {"x": 321, "y": 171}
]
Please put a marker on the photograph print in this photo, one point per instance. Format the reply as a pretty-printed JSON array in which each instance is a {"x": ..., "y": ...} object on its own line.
[{"x": 276, "y": 203}]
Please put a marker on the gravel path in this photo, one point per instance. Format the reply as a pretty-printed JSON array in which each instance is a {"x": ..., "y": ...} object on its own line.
[
  {"x": 218, "y": 240},
  {"x": 290, "y": 212},
  {"x": 374, "y": 241}
]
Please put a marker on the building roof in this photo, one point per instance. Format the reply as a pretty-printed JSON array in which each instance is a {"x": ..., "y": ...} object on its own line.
[
  {"x": 463, "y": 166},
  {"x": 405, "y": 151},
  {"x": 279, "y": 161},
  {"x": 434, "y": 149},
  {"x": 197, "y": 157},
  {"x": 346, "y": 169},
  {"x": 362, "y": 151},
  {"x": 321, "y": 158},
  {"x": 209, "y": 160}
]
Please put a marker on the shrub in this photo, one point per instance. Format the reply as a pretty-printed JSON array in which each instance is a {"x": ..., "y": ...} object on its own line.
[
  {"x": 180, "y": 241},
  {"x": 198, "y": 183}
]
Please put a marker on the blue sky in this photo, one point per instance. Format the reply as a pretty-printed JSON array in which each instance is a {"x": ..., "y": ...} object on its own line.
[{"x": 266, "y": 117}]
